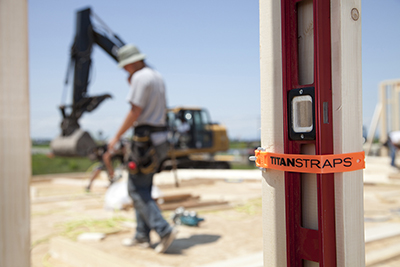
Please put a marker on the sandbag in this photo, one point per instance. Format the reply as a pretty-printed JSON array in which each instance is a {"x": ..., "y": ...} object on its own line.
[{"x": 117, "y": 197}]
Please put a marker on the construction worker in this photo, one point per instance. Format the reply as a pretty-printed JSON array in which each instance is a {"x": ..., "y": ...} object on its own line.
[
  {"x": 147, "y": 116},
  {"x": 182, "y": 133}
]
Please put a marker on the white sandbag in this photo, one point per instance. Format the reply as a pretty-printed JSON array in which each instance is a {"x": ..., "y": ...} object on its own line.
[{"x": 117, "y": 196}]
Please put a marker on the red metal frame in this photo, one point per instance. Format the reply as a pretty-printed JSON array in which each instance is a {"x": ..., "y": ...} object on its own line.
[{"x": 302, "y": 243}]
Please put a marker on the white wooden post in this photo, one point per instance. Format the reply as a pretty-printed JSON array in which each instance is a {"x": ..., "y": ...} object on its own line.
[
  {"x": 389, "y": 104},
  {"x": 347, "y": 121},
  {"x": 396, "y": 109},
  {"x": 383, "y": 129},
  {"x": 274, "y": 223},
  {"x": 15, "y": 161}
]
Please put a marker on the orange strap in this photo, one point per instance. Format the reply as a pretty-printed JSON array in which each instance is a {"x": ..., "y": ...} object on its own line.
[{"x": 311, "y": 163}]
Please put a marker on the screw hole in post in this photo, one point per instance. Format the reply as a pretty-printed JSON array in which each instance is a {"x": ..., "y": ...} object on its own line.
[{"x": 355, "y": 14}]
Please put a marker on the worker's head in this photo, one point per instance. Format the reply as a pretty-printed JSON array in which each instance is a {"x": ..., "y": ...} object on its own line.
[{"x": 128, "y": 55}]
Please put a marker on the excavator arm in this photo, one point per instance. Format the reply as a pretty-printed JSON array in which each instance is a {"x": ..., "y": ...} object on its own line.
[{"x": 87, "y": 35}]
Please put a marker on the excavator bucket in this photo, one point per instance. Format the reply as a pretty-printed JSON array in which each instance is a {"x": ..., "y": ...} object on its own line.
[{"x": 78, "y": 144}]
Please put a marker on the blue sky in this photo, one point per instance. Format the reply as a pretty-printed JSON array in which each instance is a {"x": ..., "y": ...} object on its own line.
[
  {"x": 380, "y": 49},
  {"x": 207, "y": 52}
]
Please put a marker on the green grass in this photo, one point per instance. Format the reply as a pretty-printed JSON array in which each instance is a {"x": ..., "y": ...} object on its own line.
[
  {"x": 243, "y": 145},
  {"x": 72, "y": 229},
  {"x": 239, "y": 166},
  {"x": 40, "y": 145},
  {"x": 252, "y": 207},
  {"x": 42, "y": 164}
]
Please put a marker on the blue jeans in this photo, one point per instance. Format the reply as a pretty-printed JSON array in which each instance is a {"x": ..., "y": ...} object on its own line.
[
  {"x": 148, "y": 215},
  {"x": 393, "y": 151}
]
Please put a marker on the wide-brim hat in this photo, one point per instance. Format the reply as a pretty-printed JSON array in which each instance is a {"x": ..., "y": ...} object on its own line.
[{"x": 129, "y": 54}]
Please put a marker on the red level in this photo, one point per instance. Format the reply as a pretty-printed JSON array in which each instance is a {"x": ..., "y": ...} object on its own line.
[{"x": 302, "y": 243}]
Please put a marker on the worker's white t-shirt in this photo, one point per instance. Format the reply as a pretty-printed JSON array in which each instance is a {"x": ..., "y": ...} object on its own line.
[
  {"x": 395, "y": 137},
  {"x": 148, "y": 92}
]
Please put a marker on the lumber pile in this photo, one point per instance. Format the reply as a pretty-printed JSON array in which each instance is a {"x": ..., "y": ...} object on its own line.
[
  {"x": 187, "y": 201},
  {"x": 382, "y": 243},
  {"x": 172, "y": 202}
]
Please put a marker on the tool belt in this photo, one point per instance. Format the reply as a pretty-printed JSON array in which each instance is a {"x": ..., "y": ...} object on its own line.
[{"x": 143, "y": 152}]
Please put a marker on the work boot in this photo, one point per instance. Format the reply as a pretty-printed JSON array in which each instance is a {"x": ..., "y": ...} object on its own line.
[
  {"x": 166, "y": 241},
  {"x": 131, "y": 242},
  {"x": 87, "y": 189}
]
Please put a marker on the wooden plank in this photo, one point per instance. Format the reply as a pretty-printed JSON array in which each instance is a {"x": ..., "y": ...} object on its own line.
[
  {"x": 386, "y": 230},
  {"x": 191, "y": 204},
  {"x": 389, "y": 118},
  {"x": 251, "y": 260},
  {"x": 380, "y": 255},
  {"x": 372, "y": 128},
  {"x": 383, "y": 125},
  {"x": 43, "y": 200},
  {"x": 50, "y": 177},
  {"x": 172, "y": 202},
  {"x": 347, "y": 120},
  {"x": 395, "y": 110},
  {"x": 82, "y": 255},
  {"x": 174, "y": 198},
  {"x": 273, "y": 190},
  {"x": 15, "y": 161}
]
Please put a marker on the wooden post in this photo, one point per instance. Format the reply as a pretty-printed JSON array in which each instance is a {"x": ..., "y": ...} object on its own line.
[
  {"x": 347, "y": 119},
  {"x": 372, "y": 128},
  {"x": 389, "y": 108},
  {"x": 395, "y": 110},
  {"x": 383, "y": 129},
  {"x": 346, "y": 89},
  {"x": 274, "y": 229},
  {"x": 15, "y": 161}
]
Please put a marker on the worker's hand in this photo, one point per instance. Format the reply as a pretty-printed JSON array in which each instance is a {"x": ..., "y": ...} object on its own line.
[{"x": 111, "y": 145}]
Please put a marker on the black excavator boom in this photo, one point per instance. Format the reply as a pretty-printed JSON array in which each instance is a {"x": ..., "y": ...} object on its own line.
[{"x": 73, "y": 141}]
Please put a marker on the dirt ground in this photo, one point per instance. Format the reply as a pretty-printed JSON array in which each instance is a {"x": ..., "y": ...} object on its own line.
[
  {"x": 232, "y": 228},
  {"x": 62, "y": 209}
]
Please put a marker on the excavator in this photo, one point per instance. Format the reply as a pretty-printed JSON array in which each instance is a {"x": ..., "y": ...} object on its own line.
[{"x": 193, "y": 148}]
